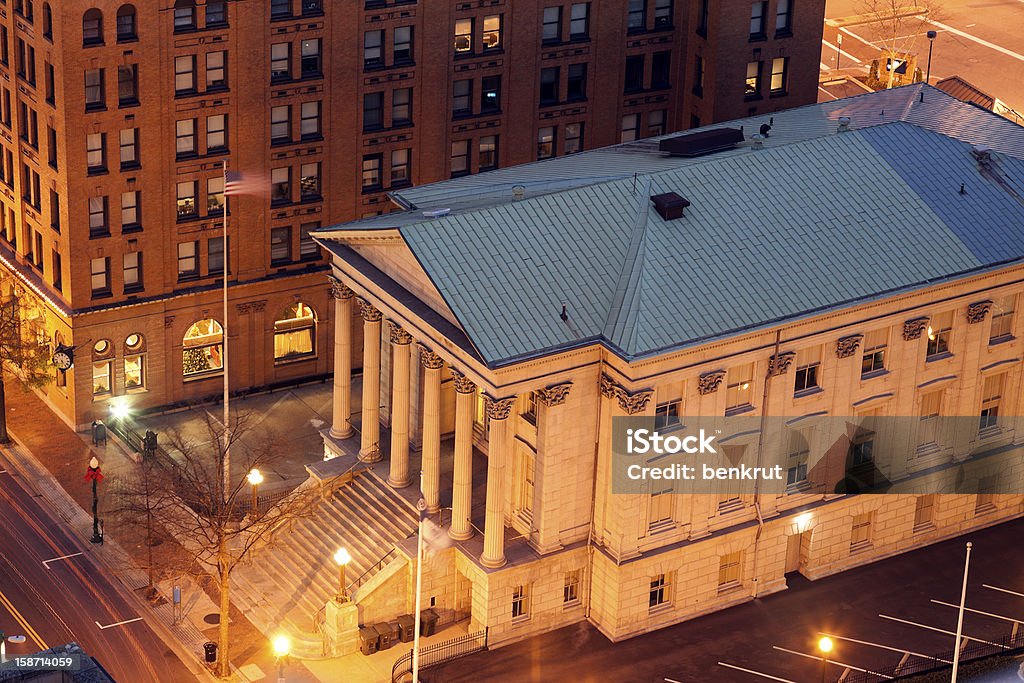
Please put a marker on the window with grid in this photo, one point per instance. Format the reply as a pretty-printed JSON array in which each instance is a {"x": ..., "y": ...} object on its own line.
[
  {"x": 184, "y": 15},
  {"x": 661, "y": 69},
  {"x": 779, "y": 82},
  {"x": 636, "y": 18},
  {"x": 634, "y": 80},
  {"x": 579, "y": 21},
  {"x": 215, "y": 195},
  {"x": 215, "y": 255},
  {"x": 463, "y": 36},
  {"x": 656, "y": 122},
  {"x": 216, "y": 133},
  {"x": 752, "y": 86},
  {"x": 924, "y": 512},
  {"x": 311, "y": 61},
  {"x": 185, "y": 137},
  {"x": 280, "y": 246},
  {"x": 216, "y": 13},
  {"x": 280, "y": 61},
  {"x": 462, "y": 97},
  {"x": 373, "y": 49},
  {"x": 372, "y": 178},
  {"x": 739, "y": 387},
  {"x": 488, "y": 153},
  {"x": 99, "y": 273},
  {"x": 808, "y": 369},
  {"x": 309, "y": 181},
  {"x": 798, "y": 454},
  {"x": 520, "y": 602},
  {"x": 402, "y": 52},
  {"x": 546, "y": 142},
  {"x": 491, "y": 38},
  {"x": 1002, "y": 319},
  {"x": 127, "y": 85},
  {"x": 490, "y": 94},
  {"x": 460, "y": 157},
  {"x": 659, "y": 509},
  {"x": 373, "y": 111},
  {"x": 940, "y": 333},
  {"x": 130, "y": 218},
  {"x": 401, "y": 107},
  {"x": 873, "y": 358},
  {"x": 666, "y": 415},
  {"x": 95, "y": 152},
  {"x": 659, "y": 593},
  {"x": 131, "y": 268},
  {"x": 98, "y": 225},
  {"x": 783, "y": 17},
  {"x": 280, "y": 185},
  {"x": 991, "y": 397},
  {"x": 928, "y": 421},
  {"x": 186, "y": 199},
  {"x": 128, "y": 141},
  {"x": 573, "y": 138},
  {"x": 549, "y": 78},
  {"x": 985, "y": 500},
  {"x": 188, "y": 260},
  {"x": 94, "y": 95},
  {"x": 576, "y": 82},
  {"x": 860, "y": 532},
  {"x": 729, "y": 571},
  {"x": 280, "y": 124},
  {"x": 400, "y": 163},
  {"x": 185, "y": 74},
  {"x": 571, "y": 587},
  {"x": 216, "y": 70},
  {"x": 308, "y": 249},
  {"x": 662, "y": 14},
  {"x": 758, "y": 10},
  {"x": 630, "y": 128},
  {"x": 551, "y": 25}
]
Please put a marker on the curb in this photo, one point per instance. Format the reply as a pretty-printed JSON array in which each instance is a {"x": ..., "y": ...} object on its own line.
[{"x": 861, "y": 19}]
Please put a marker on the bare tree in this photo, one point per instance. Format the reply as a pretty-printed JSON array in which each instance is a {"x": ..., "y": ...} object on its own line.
[
  {"x": 24, "y": 345},
  {"x": 898, "y": 28}
]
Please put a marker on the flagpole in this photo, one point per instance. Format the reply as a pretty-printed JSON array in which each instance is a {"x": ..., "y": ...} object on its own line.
[
  {"x": 960, "y": 615},
  {"x": 224, "y": 354},
  {"x": 422, "y": 507}
]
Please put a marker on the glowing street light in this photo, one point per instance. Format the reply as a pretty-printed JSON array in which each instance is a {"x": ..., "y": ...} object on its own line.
[
  {"x": 255, "y": 477},
  {"x": 824, "y": 646},
  {"x": 119, "y": 411},
  {"x": 282, "y": 646},
  {"x": 342, "y": 557}
]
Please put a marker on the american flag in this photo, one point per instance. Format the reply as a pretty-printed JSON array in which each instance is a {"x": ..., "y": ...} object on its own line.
[{"x": 236, "y": 184}]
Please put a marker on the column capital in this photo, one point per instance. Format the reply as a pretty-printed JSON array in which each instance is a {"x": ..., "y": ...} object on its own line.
[
  {"x": 632, "y": 402},
  {"x": 339, "y": 290},
  {"x": 913, "y": 328},
  {"x": 977, "y": 311},
  {"x": 429, "y": 359},
  {"x": 398, "y": 335},
  {"x": 554, "y": 395},
  {"x": 463, "y": 384},
  {"x": 498, "y": 408},
  {"x": 848, "y": 345},
  {"x": 369, "y": 313}
]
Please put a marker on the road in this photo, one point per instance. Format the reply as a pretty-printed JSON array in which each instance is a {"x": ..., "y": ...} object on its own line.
[
  {"x": 70, "y": 599},
  {"x": 888, "y": 604},
  {"x": 978, "y": 40}
]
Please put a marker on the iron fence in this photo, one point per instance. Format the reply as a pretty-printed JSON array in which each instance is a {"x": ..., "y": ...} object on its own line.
[{"x": 439, "y": 653}]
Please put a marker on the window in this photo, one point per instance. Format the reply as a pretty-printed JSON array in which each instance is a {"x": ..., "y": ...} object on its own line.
[
  {"x": 630, "y": 129},
  {"x": 797, "y": 455},
  {"x": 579, "y": 21},
  {"x": 54, "y": 212},
  {"x": 873, "y": 360},
  {"x": 860, "y": 533},
  {"x": 462, "y": 97},
  {"x": 186, "y": 200},
  {"x": 577, "y": 82},
  {"x": 460, "y": 157},
  {"x": 991, "y": 395},
  {"x": 740, "y": 387},
  {"x": 203, "y": 351},
  {"x": 928, "y": 422},
  {"x": 1002, "y": 319},
  {"x": 659, "y": 509},
  {"x": 308, "y": 249},
  {"x": 135, "y": 372},
  {"x": 403, "y": 50},
  {"x": 698, "y": 76},
  {"x": 573, "y": 138},
  {"x": 125, "y": 23},
  {"x": 92, "y": 27},
  {"x": 127, "y": 85},
  {"x": 280, "y": 62},
  {"x": 47, "y": 21},
  {"x": 551, "y": 25},
  {"x": 216, "y": 133},
  {"x": 924, "y": 512},
  {"x": 808, "y": 367},
  {"x": 666, "y": 415},
  {"x": 549, "y": 78},
  {"x": 280, "y": 8},
  {"x": 372, "y": 172},
  {"x": 129, "y": 147},
  {"x": 400, "y": 167},
  {"x": 184, "y": 74},
  {"x": 661, "y": 68},
  {"x": 99, "y": 271},
  {"x": 758, "y": 9},
  {"x": 783, "y": 18},
  {"x": 215, "y": 256},
  {"x": 637, "y": 17},
  {"x": 634, "y": 74},
  {"x": 185, "y": 137},
  {"x": 58, "y": 275},
  {"x": 656, "y": 122},
  {"x": 98, "y": 225},
  {"x": 862, "y": 449},
  {"x": 280, "y": 245},
  {"x": 309, "y": 181},
  {"x": 779, "y": 81},
  {"x": 546, "y": 142},
  {"x": 311, "y": 62},
  {"x": 96, "y": 152},
  {"x": 401, "y": 107},
  {"x": 131, "y": 264},
  {"x": 94, "y": 95},
  {"x": 659, "y": 594},
  {"x": 309, "y": 120},
  {"x": 130, "y": 211},
  {"x": 662, "y": 14},
  {"x": 520, "y": 602},
  {"x": 729, "y": 570},
  {"x": 188, "y": 260},
  {"x": 101, "y": 378},
  {"x": 490, "y": 94},
  {"x": 215, "y": 195},
  {"x": 752, "y": 88},
  {"x": 373, "y": 49},
  {"x": 488, "y": 152},
  {"x": 216, "y": 13},
  {"x": 463, "y": 36},
  {"x": 940, "y": 332},
  {"x": 571, "y": 587},
  {"x": 216, "y": 70},
  {"x": 280, "y": 124},
  {"x": 280, "y": 185},
  {"x": 184, "y": 15},
  {"x": 295, "y": 333},
  {"x": 373, "y": 111},
  {"x": 985, "y": 500},
  {"x": 492, "y": 32}
]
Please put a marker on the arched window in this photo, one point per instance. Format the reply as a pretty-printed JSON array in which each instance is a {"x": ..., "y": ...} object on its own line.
[
  {"x": 203, "y": 351},
  {"x": 126, "y": 23},
  {"x": 47, "y": 21},
  {"x": 102, "y": 365},
  {"x": 295, "y": 333},
  {"x": 135, "y": 362},
  {"x": 92, "y": 27},
  {"x": 184, "y": 15}
]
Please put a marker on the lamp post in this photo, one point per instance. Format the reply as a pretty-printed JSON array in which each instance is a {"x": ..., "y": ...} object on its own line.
[
  {"x": 931, "y": 44},
  {"x": 282, "y": 646},
  {"x": 94, "y": 475},
  {"x": 839, "y": 49},
  {"x": 824, "y": 646},
  {"x": 255, "y": 477},
  {"x": 342, "y": 557}
]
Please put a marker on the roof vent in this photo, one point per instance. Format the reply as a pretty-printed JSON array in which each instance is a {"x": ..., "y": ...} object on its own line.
[
  {"x": 669, "y": 205},
  {"x": 844, "y": 124},
  {"x": 982, "y": 153},
  {"x": 758, "y": 140},
  {"x": 437, "y": 213},
  {"x": 704, "y": 142},
  {"x": 518, "y": 192}
]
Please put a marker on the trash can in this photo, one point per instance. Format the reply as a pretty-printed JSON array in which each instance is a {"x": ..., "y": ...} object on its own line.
[
  {"x": 384, "y": 640},
  {"x": 368, "y": 638},
  {"x": 406, "y": 628},
  {"x": 99, "y": 433},
  {"x": 428, "y": 622},
  {"x": 395, "y": 631},
  {"x": 210, "y": 650}
]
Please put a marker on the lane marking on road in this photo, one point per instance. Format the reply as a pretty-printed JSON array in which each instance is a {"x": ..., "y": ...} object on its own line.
[
  {"x": 46, "y": 563},
  {"x": 827, "y": 93},
  {"x": 857, "y": 37},
  {"x": 6, "y": 602},
  {"x": 884, "y": 647},
  {"x": 755, "y": 673},
  {"x": 944, "y": 631},
  {"x": 997, "y": 588},
  {"x": 980, "y": 41},
  {"x": 844, "y": 53},
  {"x": 978, "y": 611},
  {"x": 3, "y": 471},
  {"x": 671, "y": 680},
  {"x": 831, "y": 661},
  {"x": 120, "y": 623}
]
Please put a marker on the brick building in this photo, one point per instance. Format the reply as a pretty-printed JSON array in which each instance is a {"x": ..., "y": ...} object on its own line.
[{"x": 116, "y": 120}]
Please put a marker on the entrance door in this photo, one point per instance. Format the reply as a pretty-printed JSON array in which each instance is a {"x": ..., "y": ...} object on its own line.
[{"x": 793, "y": 553}]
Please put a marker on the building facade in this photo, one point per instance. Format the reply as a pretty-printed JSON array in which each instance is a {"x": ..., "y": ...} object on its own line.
[
  {"x": 118, "y": 119},
  {"x": 784, "y": 290}
]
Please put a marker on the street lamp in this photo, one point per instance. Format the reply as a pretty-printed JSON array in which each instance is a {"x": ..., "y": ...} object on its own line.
[
  {"x": 94, "y": 475},
  {"x": 282, "y": 646},
  {"x": 119, "y": 411},
  {"x": 931, "y": 44},
  {"x": 342, "y": 557},
  {"x": 255, "y": 478},
  {"x": 824, "y": 646}
]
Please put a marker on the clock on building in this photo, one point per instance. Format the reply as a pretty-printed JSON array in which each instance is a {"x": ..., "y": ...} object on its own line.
[{"x": 64, "y": 357}]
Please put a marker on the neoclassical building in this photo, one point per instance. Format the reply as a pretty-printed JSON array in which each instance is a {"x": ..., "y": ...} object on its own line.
[{"x": 858, "y": 259}]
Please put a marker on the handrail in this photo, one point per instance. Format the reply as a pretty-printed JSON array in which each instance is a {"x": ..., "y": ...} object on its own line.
[{"x": 377, "y": 566}]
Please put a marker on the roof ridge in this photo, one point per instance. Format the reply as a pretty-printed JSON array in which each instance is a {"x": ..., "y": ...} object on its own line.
[{"x": 621, "y": 320}]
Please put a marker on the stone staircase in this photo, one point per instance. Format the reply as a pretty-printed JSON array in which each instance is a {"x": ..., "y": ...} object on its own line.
[{"x": 282, "y": 589}]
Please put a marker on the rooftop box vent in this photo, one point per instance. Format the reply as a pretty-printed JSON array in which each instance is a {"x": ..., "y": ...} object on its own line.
[
  {"x": 669, "y": 205},
  {"x": 436, "y": 213},
  {"x": 704, "y": 142}
]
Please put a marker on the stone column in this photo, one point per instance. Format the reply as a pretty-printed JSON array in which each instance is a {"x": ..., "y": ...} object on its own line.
[
  {"x": 399, "y": 475},
  {"x": 462, "y": 477},
  {"x": 499, "y": 448},
  {"x": 341, "y": 427},
  {"x": 369, "y": 446},
  {"x": 432, "y": 365}
]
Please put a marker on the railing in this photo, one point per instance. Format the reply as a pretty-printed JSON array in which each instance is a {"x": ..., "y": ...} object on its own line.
[
  {"x": 439, "y": 653},
  {"x": 374, "y": 568},
  {"x": 320, "y": 626}
]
